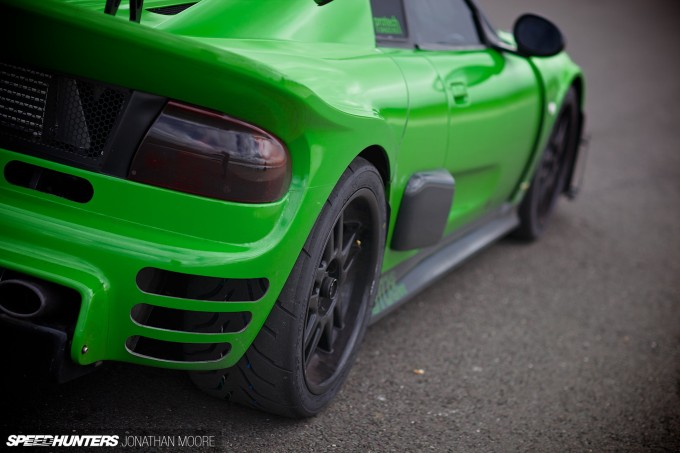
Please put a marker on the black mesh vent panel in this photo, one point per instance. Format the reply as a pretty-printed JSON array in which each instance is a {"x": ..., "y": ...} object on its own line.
[
  {"x": 66, "y": 117},
  {"x": 172, "y": 9},
  {"x": 23, "y": 94}
]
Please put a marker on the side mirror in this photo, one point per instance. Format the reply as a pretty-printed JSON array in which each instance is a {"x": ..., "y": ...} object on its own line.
[{"x": 537, "y": 37}]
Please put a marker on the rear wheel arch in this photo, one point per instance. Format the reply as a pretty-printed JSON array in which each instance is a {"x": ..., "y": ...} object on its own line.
[{"x": 377, "y": 156}]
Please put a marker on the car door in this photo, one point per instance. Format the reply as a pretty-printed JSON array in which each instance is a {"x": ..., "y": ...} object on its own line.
[{"x": 493, "y": 102}]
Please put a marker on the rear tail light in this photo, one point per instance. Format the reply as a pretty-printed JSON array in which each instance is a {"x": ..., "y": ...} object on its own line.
[{"x": 202, "y": 152}]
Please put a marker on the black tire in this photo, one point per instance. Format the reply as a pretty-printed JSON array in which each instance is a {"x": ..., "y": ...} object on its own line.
[
  {"x": 305, "y": 350},
  {"x": 550, "y": 177}
]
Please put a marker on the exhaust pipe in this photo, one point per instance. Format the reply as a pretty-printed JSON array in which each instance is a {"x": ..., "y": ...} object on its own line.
[{"x": 28, "y": 298}]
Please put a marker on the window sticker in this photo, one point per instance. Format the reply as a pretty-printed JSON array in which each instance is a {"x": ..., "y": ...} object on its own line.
[
  {"x": 387, "y": 26},
  {"x": 389, "y": 20}
]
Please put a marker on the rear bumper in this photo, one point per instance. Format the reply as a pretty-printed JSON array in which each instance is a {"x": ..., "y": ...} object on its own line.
[{"x": 99, "y": 248}]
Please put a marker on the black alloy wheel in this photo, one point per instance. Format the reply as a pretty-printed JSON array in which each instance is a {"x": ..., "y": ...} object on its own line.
[
  {"x": 550, "y": 178},
  {"x": 336, "y": 301}
]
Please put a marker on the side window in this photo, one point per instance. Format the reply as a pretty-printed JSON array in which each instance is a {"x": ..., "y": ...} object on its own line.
[
  {"x": 443, "y": 22},
  {"x": 389, "y": 20}
]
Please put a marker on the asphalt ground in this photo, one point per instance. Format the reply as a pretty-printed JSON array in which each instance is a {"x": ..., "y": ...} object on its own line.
[{"x": 568, "y": 344}]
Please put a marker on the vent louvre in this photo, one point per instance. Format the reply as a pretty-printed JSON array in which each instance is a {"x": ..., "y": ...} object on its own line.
[
  {"x": 187, "y": 286},
  {"x": 171, "y": 10}
]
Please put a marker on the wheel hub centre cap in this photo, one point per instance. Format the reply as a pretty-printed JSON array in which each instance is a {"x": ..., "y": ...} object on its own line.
[
  {"x": 329, "y": 287},
  {"x": 328, "y": 291}
]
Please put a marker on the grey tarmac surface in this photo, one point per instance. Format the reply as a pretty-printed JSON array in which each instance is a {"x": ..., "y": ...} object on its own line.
[{"x": 568, "y": 344}]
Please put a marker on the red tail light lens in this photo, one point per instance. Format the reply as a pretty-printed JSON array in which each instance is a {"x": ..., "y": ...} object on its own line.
[{"x": 206, "y": 153}]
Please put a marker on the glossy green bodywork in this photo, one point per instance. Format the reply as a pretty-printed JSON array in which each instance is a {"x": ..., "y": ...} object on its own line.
[{"x": 312, "y": 76}]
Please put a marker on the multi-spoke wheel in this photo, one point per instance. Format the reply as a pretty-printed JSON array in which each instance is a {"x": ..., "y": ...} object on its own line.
[
  {"x": 307, "y": 346},
  {"x": 337, "y": 303},
  {"x": 550, "y": 177}
]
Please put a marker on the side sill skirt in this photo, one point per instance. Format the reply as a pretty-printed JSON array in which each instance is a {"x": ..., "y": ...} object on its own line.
[{"x": 394, "y": 291}]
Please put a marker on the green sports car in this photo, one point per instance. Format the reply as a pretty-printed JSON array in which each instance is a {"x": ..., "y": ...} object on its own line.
[{"x": 237, "y": 188}]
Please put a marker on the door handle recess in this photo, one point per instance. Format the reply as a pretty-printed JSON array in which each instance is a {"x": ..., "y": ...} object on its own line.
[{"x": 459, "y": 92}]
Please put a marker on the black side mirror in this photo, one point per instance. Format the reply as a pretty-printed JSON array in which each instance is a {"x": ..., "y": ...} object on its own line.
[{"x": 537, "y": 37}]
